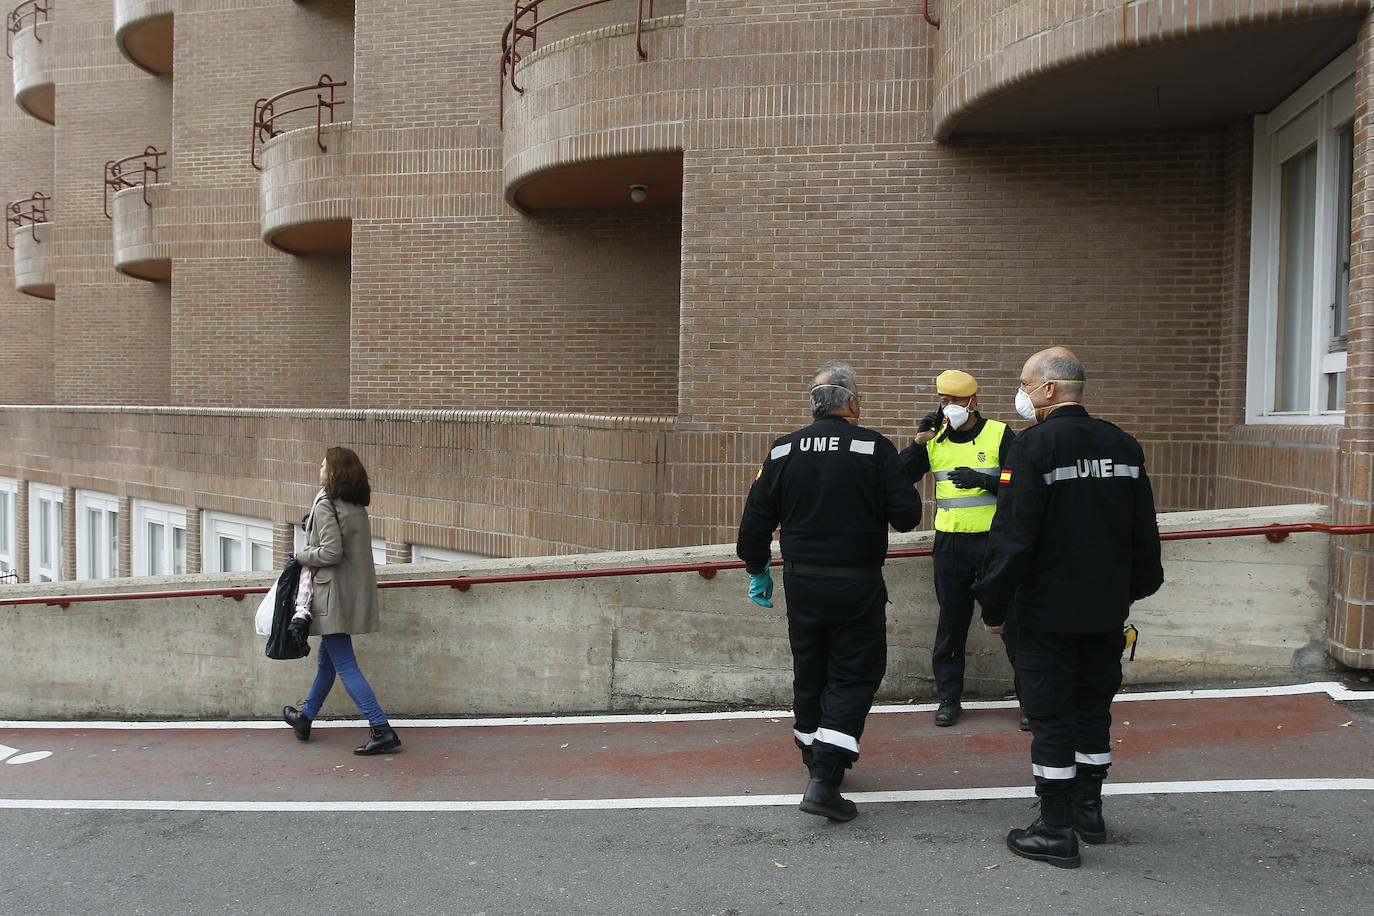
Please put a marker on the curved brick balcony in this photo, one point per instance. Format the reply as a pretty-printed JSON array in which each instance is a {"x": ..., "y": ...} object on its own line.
[
  {"x": 307, "y": 196},
  {"x": 35, "y": 60},
  {"x": 1025, "y": 65},
  {"x": 595, "y": 120},
  {"x": 142, "y": 240},
  {"x": 35, "y": 260},
  {"x": 143, "y": 31}
]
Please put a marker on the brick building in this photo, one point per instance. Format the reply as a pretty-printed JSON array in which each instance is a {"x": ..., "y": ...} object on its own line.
[{"x": 560, "y": 281}]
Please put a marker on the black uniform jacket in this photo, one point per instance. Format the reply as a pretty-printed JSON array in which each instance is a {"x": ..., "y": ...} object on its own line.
[
  {"x": 834, "y": 487},
  {"x": 1075, "y": 539}
]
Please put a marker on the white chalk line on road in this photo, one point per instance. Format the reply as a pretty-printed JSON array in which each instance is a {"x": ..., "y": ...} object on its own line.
[
  {"x": 705, "y": 801},
  {"x": 1333, "y": 689}
]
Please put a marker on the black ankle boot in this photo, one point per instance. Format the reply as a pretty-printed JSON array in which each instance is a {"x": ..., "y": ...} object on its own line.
[
  {"x": 1087, "y": 809},
  {"x": 1050, "y": 838},
  {"x": 824, "y": 798},
  {"x": 297, "y": 720},
  {"x": 382, "y": 738}
]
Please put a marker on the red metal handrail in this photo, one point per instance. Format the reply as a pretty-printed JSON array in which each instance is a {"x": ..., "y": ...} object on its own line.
[
  {"x": 525, "y": 22},
  {"x": 17, "y": 213},
  {"x": 707, "y": 570},
  {"x": 37, "y": 11},
  {"x": 118, "y": 179},
  {"x": 265, "y": 114}
]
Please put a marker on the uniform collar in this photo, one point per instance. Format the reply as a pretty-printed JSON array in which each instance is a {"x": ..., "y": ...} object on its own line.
[{"x": 955, "y": 435}]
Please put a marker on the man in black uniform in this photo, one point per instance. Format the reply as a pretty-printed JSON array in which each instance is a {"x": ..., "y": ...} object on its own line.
[
  {"x": 1074, "y": 542},
  {"x": 834, "y": 487}
]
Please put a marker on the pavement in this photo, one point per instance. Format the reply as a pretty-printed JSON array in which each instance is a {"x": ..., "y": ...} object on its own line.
[{"x": 1246, "y": 801}]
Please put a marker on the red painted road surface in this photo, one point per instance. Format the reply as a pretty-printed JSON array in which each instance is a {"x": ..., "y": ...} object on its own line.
[{"x": 1266, "y": 737}]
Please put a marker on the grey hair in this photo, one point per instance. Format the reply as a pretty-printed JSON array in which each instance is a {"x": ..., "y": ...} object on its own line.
[
  {"x": 1063, "y": 369},
  {"x": 827, "y": 400}
]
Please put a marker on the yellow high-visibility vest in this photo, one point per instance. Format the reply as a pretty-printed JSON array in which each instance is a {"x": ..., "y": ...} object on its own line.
[{"x": 966, "y": 511}]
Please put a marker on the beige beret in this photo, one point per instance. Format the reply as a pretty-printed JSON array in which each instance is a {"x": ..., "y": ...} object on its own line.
[{"x": 955, "y": 384}]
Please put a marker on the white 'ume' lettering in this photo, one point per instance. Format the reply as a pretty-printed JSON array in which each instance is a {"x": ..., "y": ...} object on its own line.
[{"x": 821, "y": 444}]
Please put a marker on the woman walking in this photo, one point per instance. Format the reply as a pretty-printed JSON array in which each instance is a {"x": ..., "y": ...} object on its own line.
[{"x": 338, "y": 550}]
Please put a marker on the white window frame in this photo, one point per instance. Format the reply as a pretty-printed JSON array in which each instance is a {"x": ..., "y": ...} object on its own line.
[
  {"x": 171, "y": 519},
  {"x": 39, "y": 494},
  {"x": 103, "y": 563},
  {"x": 422, "y": 553},
  {"x": 1312, "y": 116},
  {"x": 9, "y": 525},
  {"x": 246, "y": 531}
]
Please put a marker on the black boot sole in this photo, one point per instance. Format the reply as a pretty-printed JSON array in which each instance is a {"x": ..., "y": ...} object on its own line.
[{"x": 1056, "y": 861}]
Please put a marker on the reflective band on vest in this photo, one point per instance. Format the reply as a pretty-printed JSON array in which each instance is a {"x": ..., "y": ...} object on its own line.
[{"x": 966, "y": 511}]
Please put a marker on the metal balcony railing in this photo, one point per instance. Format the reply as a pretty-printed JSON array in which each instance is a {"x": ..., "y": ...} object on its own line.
[
  {"x": 32, "y": 210},
  {"x": 120, "y": 175},
  {"x": 30, "y": 12},
  {"x": 707, "y": 570},
  {"x": 265, "y": 113},
  {"x": 524, "y": 26}
]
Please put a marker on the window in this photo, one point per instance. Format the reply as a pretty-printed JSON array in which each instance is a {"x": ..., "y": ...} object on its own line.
[
  {"x": 9, "y": 527},
  {"x": 232, "y": 543},
  {"x": 97, "y": 535},
  {"x": 419, "y": 553},
  {"x": 45, "y": 533},
  {"x": 159, "y": 539},
  {"x": 1300, "y": 252}
]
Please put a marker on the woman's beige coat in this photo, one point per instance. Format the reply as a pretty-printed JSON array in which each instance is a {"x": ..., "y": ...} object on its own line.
[{"x": 339, "y": 551}]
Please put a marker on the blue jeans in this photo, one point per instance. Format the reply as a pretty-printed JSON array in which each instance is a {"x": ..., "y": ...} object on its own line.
[{"x": 335, "y": 655}]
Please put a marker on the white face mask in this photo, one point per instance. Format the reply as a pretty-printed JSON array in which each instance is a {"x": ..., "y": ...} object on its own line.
[
  {"x": 1024, "y": 406},
  {"x": 956, "y": 415}
]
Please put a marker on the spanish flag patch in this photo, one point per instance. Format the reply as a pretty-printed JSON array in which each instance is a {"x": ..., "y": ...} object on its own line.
[
  {"x": 760, "y": 473},
  {"x": 1006, "y": 475}
]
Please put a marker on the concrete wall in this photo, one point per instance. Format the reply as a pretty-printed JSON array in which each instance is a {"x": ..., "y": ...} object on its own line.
[{"x": 1231, "y": 608}]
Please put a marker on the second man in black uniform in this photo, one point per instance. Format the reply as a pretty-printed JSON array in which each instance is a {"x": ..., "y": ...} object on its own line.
[{"x": 833, "y": 487}]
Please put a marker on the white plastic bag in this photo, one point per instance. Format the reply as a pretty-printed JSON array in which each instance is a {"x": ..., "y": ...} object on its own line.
[{"x": 262, "y": 621}]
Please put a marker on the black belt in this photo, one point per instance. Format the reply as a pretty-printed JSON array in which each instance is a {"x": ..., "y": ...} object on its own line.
[{"x": 843, "y": 572}]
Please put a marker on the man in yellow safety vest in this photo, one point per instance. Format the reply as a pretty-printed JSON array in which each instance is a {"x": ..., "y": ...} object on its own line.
[{"x": 964, "y": 451}]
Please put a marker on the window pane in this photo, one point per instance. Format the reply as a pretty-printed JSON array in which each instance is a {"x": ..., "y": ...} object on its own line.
[
  {"x": 112, "y": 553},
  {"x": 157, "y": 564},
  {"x": 1297, "y": 234},
  {"x": 4, "y": 521},
  {"x": 230, "y": 555},
  {"x": 44, "y": 533},
  {"x": 1335, "y": 391},
  {"x": 94, "y": 543},
  {"x": 178, "y": 551},
  {"x": 1340, "y": 319},
  {"x": 262, "y": 556}
]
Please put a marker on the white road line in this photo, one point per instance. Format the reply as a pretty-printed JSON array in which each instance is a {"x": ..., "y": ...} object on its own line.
[
  {"x": 1333, "y": 689},
  {"x": 690, "y": 801}
]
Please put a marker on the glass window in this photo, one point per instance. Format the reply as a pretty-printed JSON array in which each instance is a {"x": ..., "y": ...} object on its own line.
[
  {"x": 1300, "y": 255},
  {"x": 97, "y": 535},
  {"x": 9, "y": 524},
  {"x": 159, "y": 544},
  {"x": 240, "y": 544},
  {"x": 45, "y": 533}
]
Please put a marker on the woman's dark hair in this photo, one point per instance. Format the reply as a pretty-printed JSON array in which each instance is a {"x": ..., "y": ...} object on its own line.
[{"x": 345, "y": 477}]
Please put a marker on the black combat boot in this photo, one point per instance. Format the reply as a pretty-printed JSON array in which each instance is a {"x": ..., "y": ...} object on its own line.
[
  {"x": 1087, "y": 804},
  {"x": 822, "y": 796},
  {"x": 383, "y": 738},
  {"x": 1050, "y": 838}
]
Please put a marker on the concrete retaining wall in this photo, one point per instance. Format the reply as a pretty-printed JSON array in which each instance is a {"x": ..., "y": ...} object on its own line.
[{"x": 1230, "y": 608}]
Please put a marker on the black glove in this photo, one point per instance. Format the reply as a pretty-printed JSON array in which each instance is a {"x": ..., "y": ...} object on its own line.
[
  {"x": 299, "y": 628},
  {"x": 931, "y": 421},
  {"x": 969, "y": 479}
]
